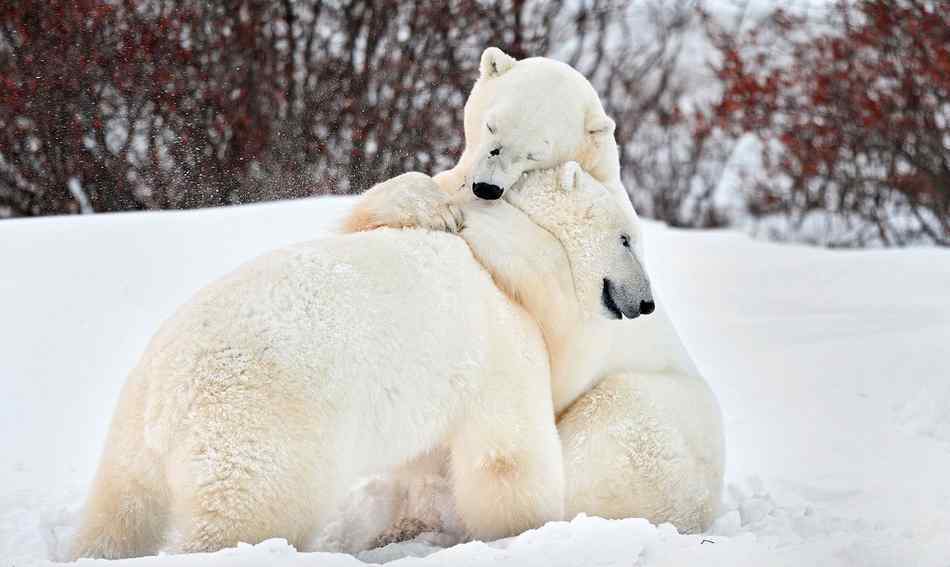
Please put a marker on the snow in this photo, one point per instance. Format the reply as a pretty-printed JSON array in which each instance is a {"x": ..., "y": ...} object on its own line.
[{"x": 830, "y": 367}]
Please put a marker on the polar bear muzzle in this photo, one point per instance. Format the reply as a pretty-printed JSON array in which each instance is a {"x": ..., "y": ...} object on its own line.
[{"x": 619, "y": 304}]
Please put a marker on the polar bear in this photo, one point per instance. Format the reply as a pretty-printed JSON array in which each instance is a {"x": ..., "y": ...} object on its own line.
[
  {"x": 521, "y": 116},
  {"x": 260, "y": 402},
  {"x": 618, "y": 426},
  {"x": 641, "y": 431}
]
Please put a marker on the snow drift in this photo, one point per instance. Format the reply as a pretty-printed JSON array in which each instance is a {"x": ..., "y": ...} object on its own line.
[{"x": 830, "y": 368}]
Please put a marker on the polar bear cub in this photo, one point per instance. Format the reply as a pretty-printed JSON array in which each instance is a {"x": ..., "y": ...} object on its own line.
[{"x": 261, "y": 401}]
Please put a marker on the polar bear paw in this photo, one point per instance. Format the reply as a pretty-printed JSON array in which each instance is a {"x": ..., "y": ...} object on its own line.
[
  {"x": 404, "y": 529},
  {"x": 410, "y": 200}
]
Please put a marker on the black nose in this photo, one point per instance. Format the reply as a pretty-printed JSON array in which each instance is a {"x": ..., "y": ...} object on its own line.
[
  {"x": 487, "y": 191},
  {"x": 647, "y": 307}
]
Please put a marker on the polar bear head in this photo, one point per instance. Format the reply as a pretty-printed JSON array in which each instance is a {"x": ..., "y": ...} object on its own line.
[
  {"x": 533, "y": 114},
  {"x": 564, "y": 245},
  {"x": 600, "y": 237}
]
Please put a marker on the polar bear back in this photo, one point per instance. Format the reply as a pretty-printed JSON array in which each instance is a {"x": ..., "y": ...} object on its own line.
[{"x": 367, "y": 327}]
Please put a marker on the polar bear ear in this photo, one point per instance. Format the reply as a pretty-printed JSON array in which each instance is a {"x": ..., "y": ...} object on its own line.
[
  {"x": 495, "y": 62},
  {"x": 569, "y": 174},
  {"x": 598, "y": 123}
]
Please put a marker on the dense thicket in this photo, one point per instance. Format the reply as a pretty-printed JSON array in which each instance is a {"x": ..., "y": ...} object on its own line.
[
  {"x": 131, "y": 104},
  {"x": 187, "y": 103}
]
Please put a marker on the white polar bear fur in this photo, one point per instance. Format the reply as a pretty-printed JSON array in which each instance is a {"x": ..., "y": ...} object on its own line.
[
  {"x": 256, "y": 407},
  {"x": 545, "y": 103}
]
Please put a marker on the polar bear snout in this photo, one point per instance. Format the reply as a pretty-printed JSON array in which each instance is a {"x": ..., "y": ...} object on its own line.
[
  {"x": 487, "y": 191},
  {"x": 620, "y": 302}
]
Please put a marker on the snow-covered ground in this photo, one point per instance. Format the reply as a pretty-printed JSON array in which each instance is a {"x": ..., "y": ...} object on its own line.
[{"x": 831, "y": 367}]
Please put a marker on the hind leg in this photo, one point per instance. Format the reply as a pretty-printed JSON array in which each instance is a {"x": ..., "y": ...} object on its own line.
[
  {"x": 123, "y": 517},
  {"x": 126, "y": 510},
  {"x": 247, "y": 493},
  {"x": 646, "y": 446},
  {"x": 246, "y": 472}
]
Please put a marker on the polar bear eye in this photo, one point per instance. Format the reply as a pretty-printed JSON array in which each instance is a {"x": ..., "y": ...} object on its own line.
[
  {"x": 625, "y": 241},
  {"x": 530, "y": 157},
  {"x": 491, "y": 129}
]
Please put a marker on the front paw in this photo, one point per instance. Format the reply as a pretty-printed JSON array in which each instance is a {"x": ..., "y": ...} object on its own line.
[
  {"x": 411, "y": 200},
  {"x": 404, "y": 529},
  {"x": 451, "y": 218}
]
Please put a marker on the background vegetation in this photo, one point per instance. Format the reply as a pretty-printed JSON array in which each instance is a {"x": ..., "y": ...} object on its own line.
[{"x": 837, "y": 132}]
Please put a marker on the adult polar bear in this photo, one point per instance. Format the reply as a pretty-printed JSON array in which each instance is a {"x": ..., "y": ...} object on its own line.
[
  {"x": 264, "y": 398},
  {"x": 643, "y": 437}
]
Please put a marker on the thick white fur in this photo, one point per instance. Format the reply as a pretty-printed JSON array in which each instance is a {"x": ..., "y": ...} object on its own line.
[{"x": 261, "y": 402}]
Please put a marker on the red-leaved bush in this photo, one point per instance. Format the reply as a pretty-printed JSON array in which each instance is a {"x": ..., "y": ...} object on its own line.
[{"x": 854, "y": 119}]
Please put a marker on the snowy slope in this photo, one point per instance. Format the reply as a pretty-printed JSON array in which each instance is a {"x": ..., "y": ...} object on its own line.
[{"x": 830, "y": 367}]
